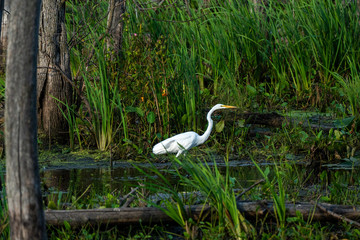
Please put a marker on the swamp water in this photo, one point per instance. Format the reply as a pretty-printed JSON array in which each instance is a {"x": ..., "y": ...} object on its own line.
[
  {"x": 124, "y": 175},
  {"x": 73, "y": 173}
]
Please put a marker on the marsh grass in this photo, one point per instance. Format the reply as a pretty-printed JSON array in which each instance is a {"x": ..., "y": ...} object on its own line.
[
  {"x": 278, "y": 194},
  {"x": 218, "y": 190},
  {"x": 102, "y": 99},
  {"x": 71, "y": 118},
  {"x": 351, "y": 88},
  {"x": 181, "y": 58},
  {"x": 229, "y": 43}
]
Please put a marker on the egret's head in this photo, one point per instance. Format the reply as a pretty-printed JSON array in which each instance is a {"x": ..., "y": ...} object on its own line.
[
  {"x": 222, "y": 106},
  {"x": 227, "y": 106}
]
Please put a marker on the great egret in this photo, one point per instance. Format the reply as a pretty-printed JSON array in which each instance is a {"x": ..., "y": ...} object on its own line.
[{"x": 184, "y": 141}]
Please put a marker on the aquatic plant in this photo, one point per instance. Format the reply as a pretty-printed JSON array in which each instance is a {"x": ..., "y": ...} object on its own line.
[{"x": 198, "y": 176}]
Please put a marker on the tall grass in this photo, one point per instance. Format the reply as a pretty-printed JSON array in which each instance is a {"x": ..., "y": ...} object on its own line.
[
  {"x": 230, "y": 43},
  {"x": 218, "y": 189},
  {"x": 278, "y": 195},
  {"x": 351, "y": 88},
  {"x": 180, "y": 58},
  {"x": 70, "y": 116},
  {"x": 102, "y": 99}
]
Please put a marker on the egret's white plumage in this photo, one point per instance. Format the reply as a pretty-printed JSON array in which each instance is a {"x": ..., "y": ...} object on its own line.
[{"x": 185, "y": 141}]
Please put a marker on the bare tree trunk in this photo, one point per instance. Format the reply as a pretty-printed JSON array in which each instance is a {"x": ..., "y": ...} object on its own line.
[
  {"x": 115, "y": 25},
  {"x": 1, "y": 10},
  {"x": 22, "y": 173},
  {"x": 53, "y": 70},
  {"x": 4, "y": 23}
]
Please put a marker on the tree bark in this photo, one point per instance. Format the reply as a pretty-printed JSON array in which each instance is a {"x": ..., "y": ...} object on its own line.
[
  {"x": 53, "y": 71},
  {"x": 22, "y": 172},
  {"x": 4, "y": 23},
  {"x": 150, "y": 215},
  {"x": 1, "y": 11},
  {"x": 115, "y": 25}
]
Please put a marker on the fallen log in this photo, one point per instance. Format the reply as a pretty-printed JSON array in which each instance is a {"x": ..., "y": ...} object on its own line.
[
  {"x": 277, "y": 121},
  {"x": 147, "y": 215},
  {"x": 151, "y": 215},
  {"x": 308, "y": 210}
]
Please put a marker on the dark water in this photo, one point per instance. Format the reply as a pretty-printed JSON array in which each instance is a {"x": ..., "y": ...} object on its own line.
[{"x": 124, "y": 175}]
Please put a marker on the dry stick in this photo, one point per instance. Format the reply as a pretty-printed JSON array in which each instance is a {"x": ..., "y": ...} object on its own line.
[
  {"x": 337, "y": 216},
  {"x": 249, "y": 188},
  {"x": 126, "y": 197},
  {"x": 131, "y": 192},
  {"x": 128, "y": 202}
]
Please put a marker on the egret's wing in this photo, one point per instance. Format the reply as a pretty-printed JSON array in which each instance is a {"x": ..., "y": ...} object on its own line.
[{"x": 176, "y": 143}]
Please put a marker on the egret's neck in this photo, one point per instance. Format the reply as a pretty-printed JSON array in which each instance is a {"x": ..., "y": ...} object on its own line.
[{"x": 206, "y": 134}]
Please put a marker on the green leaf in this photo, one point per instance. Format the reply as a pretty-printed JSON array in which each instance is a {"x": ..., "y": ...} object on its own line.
[
  {"x": 137, "y": 110},
  {"x": 325, "y": 199},
  {"x": 241, "y": 123},
  {"x": 303, "y": 136},
  {"x": 345, "y": 122},
  {"x": 220, "y": 126},
  {"x": 251, "y": 90},
  {"x": 338, "y": 134},
  {"x": 151, "y": 117},
  {"x": 52, "y": 205},
  {"x": 266, "y": 172},
  {"x": 319, "y": 135},
  {"x": 67, "y": 225},
  {"x": 184, "y": 119}
]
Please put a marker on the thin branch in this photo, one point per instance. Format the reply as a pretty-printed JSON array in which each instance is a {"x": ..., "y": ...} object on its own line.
[
  {"x": 129, "y": 199},
  {"x": 337, "y": 216},
  {"x": 249, "y": 188}
]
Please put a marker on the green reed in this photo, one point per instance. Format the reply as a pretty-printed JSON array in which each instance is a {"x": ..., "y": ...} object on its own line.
[
  {"x": 70, "y": 116},
  {"x": 217, "y": 188},
  {"x": 180, "y": 58},
  {"x": 351, "y": 87},
  {"x": 102, "y": 99},
  {"x": 294, "y": 43},
  {"x": 278, "y": 195}
]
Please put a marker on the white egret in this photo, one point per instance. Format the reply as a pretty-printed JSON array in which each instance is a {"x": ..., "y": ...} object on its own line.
[{"x": 185, "y": 141}]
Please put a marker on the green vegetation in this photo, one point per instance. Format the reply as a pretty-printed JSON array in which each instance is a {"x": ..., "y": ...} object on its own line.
[
  {"x": 202, "y": 180},
  {"x": 178, "y": 59},
  {"x": 297, "y": 58},
  {"x": 4, "y": 218}
]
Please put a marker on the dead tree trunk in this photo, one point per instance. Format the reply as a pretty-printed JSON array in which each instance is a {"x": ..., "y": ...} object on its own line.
[
  {"x": 22, "y": 173},
  {"x": 1, "y": 10},
  {"x": 115, "y": 25},
  {"x": 54, "y": 75},
  {"x": 4, "y": 22}
]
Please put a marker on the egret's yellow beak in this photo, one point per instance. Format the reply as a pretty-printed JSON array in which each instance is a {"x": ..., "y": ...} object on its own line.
[{"x": 228, "y": 106}]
